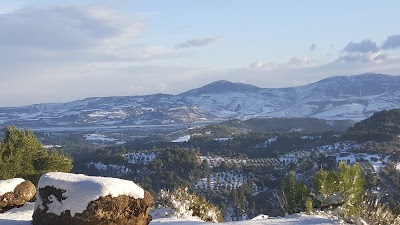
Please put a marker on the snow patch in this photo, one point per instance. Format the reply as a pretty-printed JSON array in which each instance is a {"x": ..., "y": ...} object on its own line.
[
  {"x": 185, "y": 138},
  {"x": 116, "y": 169},
  {"x": 398, "y": 167},
  {"x": 18, "y": 216},
  {"x": 51, "y": 146},
  {"x": 260, "y": 217},
  {"x": 23, "y": 216},
  {"x": 98, "y": 137},
  {"x": 222, "y": 139},
  {"x": 140, "y": 157}
]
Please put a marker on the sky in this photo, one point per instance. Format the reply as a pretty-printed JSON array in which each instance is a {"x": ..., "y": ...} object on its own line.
[{"x": 59, "y": 50}]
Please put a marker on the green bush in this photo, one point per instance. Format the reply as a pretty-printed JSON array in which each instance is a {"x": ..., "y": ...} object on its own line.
[
  {"x": 296, "y": 194},
  {"x": 344, "y": 187}
]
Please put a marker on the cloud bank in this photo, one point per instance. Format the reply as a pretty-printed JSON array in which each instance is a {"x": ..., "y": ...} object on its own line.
[{"x": 363, "y": 46}]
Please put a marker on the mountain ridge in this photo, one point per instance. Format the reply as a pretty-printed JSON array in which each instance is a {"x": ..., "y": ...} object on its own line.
[
  {"x": 222, "y": 85},
  {"x": 342, "y": 97}
]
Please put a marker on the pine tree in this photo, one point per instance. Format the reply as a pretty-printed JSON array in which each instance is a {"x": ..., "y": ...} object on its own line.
[
  {"x": 295, "y": 193},
  {"x": 22, "y": 155},
  {"x": 342, "y": 187}
]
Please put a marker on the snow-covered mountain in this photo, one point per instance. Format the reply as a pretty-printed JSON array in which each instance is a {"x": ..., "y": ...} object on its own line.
[{"x": 340, "y": 97}]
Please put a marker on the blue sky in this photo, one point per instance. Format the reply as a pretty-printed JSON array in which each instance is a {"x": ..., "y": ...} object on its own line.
[{"x": 57, "y": 51}]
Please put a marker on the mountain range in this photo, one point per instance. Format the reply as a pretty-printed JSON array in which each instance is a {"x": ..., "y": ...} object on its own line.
[{"x": 336, "y": 98}]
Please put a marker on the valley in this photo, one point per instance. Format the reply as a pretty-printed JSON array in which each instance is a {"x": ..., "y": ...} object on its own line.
[{"x": 243, "y": 158}]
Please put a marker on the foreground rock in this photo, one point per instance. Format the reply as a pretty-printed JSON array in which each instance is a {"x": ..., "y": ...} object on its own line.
[
  {"x": 65, "y": 198},
  {"x": 15, "y": 192}
]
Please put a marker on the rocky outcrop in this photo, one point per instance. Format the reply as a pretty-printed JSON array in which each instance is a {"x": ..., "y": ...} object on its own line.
[
  {"x": 21, "y": 194},
  {"x": 106, "y": 210}
]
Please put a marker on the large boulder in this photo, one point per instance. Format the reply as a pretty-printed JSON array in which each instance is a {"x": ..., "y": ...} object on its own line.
[
  {"x": 65, "y": 199},
  {"x": 15, "y": 192}
]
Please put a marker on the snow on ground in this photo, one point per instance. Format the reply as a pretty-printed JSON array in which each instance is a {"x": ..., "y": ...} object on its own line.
[
  {"x": 23, "y": 216},
  {"x": 309, "y": 137},
  {"x": 185, "y": 138},
  {"x": 337, "y": 147},
  {"x": 119, "y": 114},
  {"x": 81, "y": 189},
  {"x": 9, "y": 185},
  {"x": 293, "y": 157},
  {"x": 18, "y": 216},
  {"x": 214, "y": 161},
  {"x": 223, "y": 180},
  {"x": 296, "y": 130},
  {"x": 295, "y": 219},
  {"x": 268, "y": 142},
  {"x": 376, "y": 161},
  {"x": 341, "y": 151},
  {"x": 353, "y": 111},
  {"x": 348, "y": 158},
  {"x": 51, "y": 146},
  {"x": 222, "y": 139}
]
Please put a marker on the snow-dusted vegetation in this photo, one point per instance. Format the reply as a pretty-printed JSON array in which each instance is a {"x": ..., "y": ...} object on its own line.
[
  {"x": 222, "y": 181},
  {"x": 141, "y": 157},
  {"x": 109, "y": 169}
]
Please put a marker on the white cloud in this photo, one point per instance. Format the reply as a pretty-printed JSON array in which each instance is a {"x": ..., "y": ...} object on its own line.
[
  {"x": 197, "y": 42},
  {"x": 299, "y": 61},
  {"x": 257, "y": 65}
]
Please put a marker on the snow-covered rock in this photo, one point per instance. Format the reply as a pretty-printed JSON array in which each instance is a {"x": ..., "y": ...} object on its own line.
[
  {"x": 65, "y": 198},
  {"x": 79, "y": 190},
  {"x": 15, "y": 192}
]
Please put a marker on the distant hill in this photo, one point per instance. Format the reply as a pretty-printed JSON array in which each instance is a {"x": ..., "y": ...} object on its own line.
[
  {"x": 381, "y": 126},
  {"x": 222, "y": 86},
  {"x": 335, "y": 98}
]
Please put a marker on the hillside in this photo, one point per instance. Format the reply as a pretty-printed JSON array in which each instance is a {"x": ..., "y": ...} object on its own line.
[
  {"x": 381, "y": 126},
  {"x": 335, "y": 98},
  {"x": 305, "y": 125}
]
